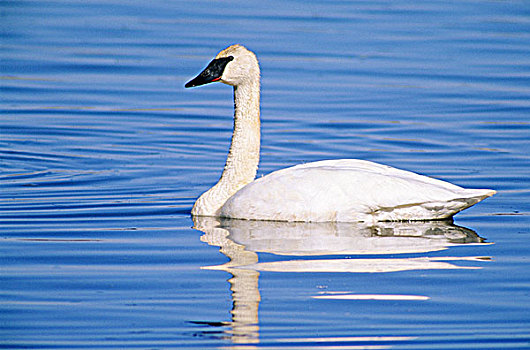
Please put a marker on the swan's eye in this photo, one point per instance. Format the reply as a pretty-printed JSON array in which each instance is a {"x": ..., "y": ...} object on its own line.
[{"x": 219, "y": 64}]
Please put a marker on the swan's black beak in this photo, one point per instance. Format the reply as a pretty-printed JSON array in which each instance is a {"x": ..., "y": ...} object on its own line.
[{"x": 212, "y": 73}]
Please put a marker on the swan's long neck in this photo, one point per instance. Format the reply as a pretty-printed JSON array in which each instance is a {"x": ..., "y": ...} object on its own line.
[{"x": 243, "y": 157}]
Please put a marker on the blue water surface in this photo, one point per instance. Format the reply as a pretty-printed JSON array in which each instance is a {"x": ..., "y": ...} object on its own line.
[{"x": 103, "y": 153}]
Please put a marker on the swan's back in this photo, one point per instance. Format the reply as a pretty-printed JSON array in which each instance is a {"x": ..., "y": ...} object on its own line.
[{"x": 349, "y": 190}]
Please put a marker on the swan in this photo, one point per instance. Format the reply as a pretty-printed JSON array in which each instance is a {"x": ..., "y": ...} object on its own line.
[{"x": 344, "y": 190}]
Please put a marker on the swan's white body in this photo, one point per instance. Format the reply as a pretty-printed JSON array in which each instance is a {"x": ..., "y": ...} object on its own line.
[
  {"x": 345, "y": 190},
  {"x": 348, "y": 190}
]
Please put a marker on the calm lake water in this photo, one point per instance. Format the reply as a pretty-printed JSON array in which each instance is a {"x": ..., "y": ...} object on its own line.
[{"x": 103, "y": 152}]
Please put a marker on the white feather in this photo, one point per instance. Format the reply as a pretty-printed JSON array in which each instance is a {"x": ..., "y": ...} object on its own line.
[
  {"x": 345, "y": 190},
  {"x": 348, "y": 190}
]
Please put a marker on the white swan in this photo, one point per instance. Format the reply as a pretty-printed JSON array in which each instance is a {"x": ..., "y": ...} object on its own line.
[{"x": 345, "y": 190}]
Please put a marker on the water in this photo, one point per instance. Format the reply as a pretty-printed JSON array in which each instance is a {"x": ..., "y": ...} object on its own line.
[{"x": 103, "y": 153}]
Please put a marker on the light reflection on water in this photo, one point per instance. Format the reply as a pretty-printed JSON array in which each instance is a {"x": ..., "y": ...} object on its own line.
[
  {"x": 102, "y": 153},
  {"x": 241, "y": 241}
]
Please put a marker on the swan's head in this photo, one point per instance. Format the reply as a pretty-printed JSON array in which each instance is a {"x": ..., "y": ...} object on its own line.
[{"x": 234, "y": 66}]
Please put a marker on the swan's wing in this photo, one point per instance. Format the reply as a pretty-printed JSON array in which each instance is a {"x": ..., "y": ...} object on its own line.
[
  {"x": 349, "y": 190},
  {"x": 364, "y": 166}
]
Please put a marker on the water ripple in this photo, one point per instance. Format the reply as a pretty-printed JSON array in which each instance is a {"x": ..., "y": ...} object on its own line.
[{"x": 103, "y": 152}]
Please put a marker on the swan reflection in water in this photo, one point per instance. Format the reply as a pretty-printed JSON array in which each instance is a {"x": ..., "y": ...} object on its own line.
[{"x": 241, "y": 240}]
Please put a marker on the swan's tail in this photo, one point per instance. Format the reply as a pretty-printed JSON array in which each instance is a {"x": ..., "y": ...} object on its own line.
[
  {"x": 463, "y": 199},
  {"x": 471, "y": 197},
  {"x": 479, "y": 194}
]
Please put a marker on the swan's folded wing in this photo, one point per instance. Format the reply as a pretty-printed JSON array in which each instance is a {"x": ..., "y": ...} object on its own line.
[{"x": 349, "y": 190}]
